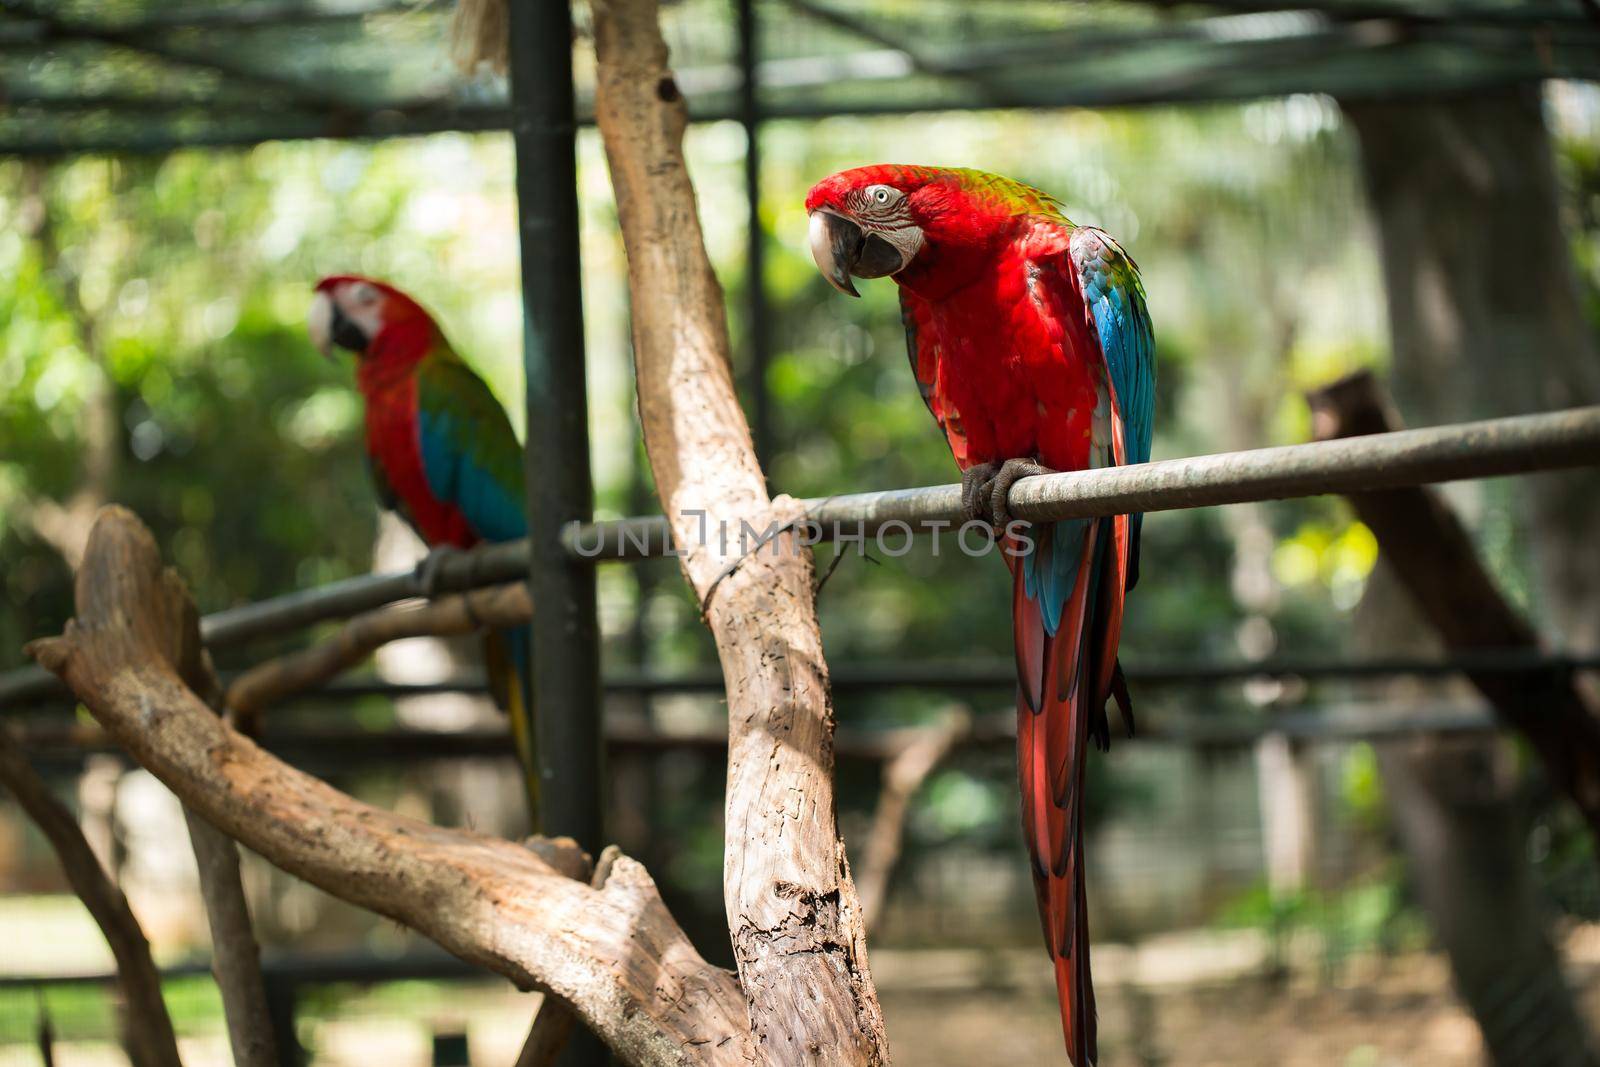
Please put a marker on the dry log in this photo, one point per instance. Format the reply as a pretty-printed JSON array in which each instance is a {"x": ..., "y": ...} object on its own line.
[
  {"x": 613, "y": 954},
  {"x": 797, "y": 928},
  {"x": 146, "y": 1026},
  {"x": 1433, "y": 557}
]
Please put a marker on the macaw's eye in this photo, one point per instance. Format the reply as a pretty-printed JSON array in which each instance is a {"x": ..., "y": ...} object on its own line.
[
  {"x": 362, "y": 293},
  {"x": 880, "y": 195}
]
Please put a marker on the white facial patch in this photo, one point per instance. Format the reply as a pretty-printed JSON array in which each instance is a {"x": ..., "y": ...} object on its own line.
[
  {"x": 907, "y": 240},
  {"x": 319, "y": 323},
  {"x": 363, "y": 305}
]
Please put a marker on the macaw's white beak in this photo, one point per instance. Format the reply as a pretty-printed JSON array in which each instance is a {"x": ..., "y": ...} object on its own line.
[{"x": 319, "y": 323}]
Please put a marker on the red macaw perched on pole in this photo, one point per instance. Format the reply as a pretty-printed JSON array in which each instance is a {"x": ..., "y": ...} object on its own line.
[
  {"x": 442, "y": 454},
  {"x": 1030, "y": 341}
]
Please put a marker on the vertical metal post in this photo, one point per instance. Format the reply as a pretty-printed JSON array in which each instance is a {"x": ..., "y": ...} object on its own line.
[
  {"x": 281, "y": 1005},
  {"x": 566, "y": 670},
  {"x": 755, "y": 282},
  {"x": 566, "y": 662}
]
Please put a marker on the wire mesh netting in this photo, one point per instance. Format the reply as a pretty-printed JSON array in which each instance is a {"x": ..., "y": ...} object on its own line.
[{"x": 149, "y": 77}]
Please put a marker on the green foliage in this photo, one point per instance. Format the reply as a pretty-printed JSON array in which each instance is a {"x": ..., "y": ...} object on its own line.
[
  {"x": 82, "y": 1012},
  {"x": 1361, "y": 790},
  {"x": 1367, "y": 916},
  {"x": 155, "y": 333},
  {"x": 1561, "y": 847}
]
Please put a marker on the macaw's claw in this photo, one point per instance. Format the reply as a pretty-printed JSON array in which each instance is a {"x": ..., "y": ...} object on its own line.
[
  {"x": 431, "y": 568},
  {"x": 975, "y": 483},
  {"x": 1010, "y": 473}
]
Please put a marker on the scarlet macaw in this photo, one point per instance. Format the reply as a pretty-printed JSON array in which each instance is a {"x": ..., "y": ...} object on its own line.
[
  {"x": 441, "y": 451},
  {"x": 1031, "y": 344}
]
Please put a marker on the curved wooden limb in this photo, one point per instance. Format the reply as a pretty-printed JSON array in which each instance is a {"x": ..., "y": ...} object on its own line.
[
  {"x": 613, "y": 954},
  {"x": 462, "y": 613},
  {"x": 797, "y": 928}
]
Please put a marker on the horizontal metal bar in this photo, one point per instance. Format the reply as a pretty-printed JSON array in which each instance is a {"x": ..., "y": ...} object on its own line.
[
  {"x": 958, "y": 676},
  {"x": 1452, "y": 12},
  {"x": 342, "y": 749},
  {"x": 489, "y": 565},
  {"x": 1000, "y": 674},
  {"x": 254, "y": 16},
  {"x": 1559, "y": 53},
  {"x": 1488, "y": 448},
  {"x": 60, "y": 26},
  {"x": 297, "y": 969},
  {"x": 1483, "y": 449}
]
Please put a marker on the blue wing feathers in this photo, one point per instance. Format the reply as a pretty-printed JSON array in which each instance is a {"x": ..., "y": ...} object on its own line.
[
  {"x": 1114, "y": 296},
  {"x": 1050, "y": 573},
  {"x": 470, "y": 455},
  {"x": 456, "y": 475},
  {"x": 1112, "y": 293}
]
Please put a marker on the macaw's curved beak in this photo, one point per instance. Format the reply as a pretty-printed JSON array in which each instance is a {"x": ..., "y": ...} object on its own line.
[
  {"x": 329, "y": 326},
  {"x": 841, "y": 249},
  {"x": 836, "y": 244}
]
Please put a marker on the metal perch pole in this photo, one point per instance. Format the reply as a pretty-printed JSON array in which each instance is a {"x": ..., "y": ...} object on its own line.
[{"x": 1488, "y": 448}]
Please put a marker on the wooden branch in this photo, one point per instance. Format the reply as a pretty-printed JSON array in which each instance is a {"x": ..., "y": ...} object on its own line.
[
  {"x": 614, "y": 955},
  {"x": 146, "y": 1026},
  {"x": 903, "y": 775},
  {"x": 361, "y": 636},
  {"x": 235, "y": 956},
  {"x": 554, "y": 1021},
  {"x": 1432, "y": 555},
  {"x": 797, "y": 928},
  {"x": 548, "y": 1035}
]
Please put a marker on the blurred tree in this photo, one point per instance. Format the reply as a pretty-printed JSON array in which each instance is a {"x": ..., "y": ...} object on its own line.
[
  {"x": 1485, "y": 320},
  {"x": 65, "y": 526}
]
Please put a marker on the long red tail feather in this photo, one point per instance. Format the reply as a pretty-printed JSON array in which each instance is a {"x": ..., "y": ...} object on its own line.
[{"x": 1064, "y": 681}]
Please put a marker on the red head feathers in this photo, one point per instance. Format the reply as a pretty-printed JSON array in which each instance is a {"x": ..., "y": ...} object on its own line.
[
  {"x": 930, "y": 227},
  {"x": 367, "y": 317}
]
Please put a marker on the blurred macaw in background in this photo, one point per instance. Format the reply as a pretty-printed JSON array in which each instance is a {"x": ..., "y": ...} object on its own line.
[
  {"x": 442, "y": 454},
  {"x": 1032, "y": 346}
]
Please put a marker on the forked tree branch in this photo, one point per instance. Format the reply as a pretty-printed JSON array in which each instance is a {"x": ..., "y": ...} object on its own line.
[
  {"x": 797, "y": 928},
  {"x": 146, "y": 1026},
  {"x": 462, "y": 613},
  {"x": 613, "y": 954}
]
